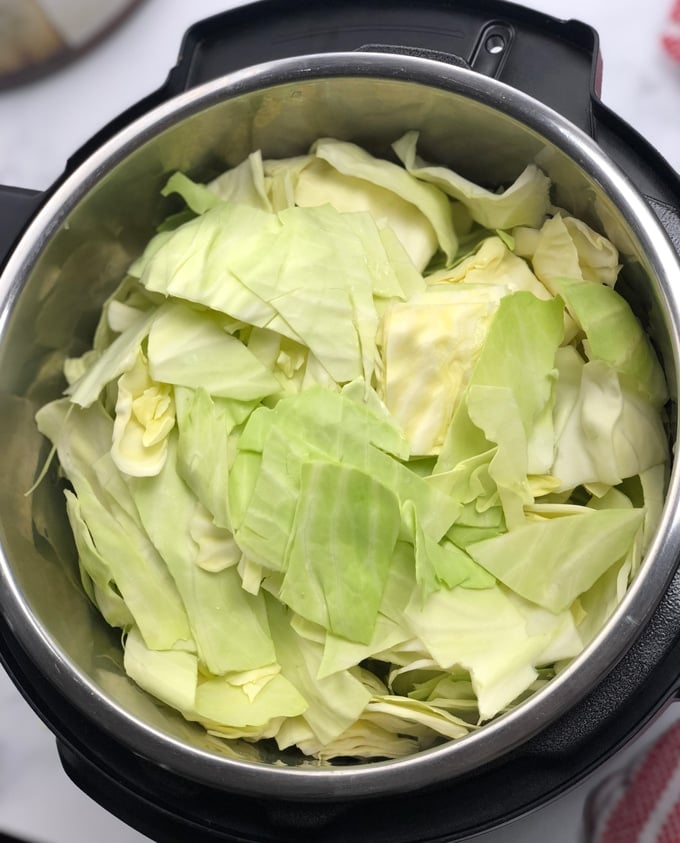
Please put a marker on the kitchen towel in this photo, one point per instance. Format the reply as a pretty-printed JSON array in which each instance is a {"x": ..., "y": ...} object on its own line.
[
  {"x": 639, "y": 803},
  {"x": 670, "y": 40}
]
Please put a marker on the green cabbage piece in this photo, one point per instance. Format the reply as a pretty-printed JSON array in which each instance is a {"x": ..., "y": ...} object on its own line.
[
  {"x": 317, "y": 425},
  {"x": 525, "y": 202},
  {"x": 107, "y": 511},
  {"x": 440, "y": 330},
  {"x": 242, "y": 704},
  {"x": 333, "y": 702},
  {"x": 523, "y": 338},
  {"x": 566, "y": 247},
  {"x": 306, "y": 273},
  {"x": 418, "y": 213},
  {"x": 493, "y": 263},
  {"x": 461, "y": 627},
  {"x": 186, "y": 347},
  {"x": 343, "y": 536},
  {"x": 605, "y": 431},
  {"x": 229, "y": 626},
  {"x": 114, "y": 361},
  {"x": 207, "y": 429},
  {"x": 96, "y": 574},
  {"x": 144, "y": 416},
  {"x": 169, "y": 675},
  {"x": 552, "y": 562},
  {"x": 614, "y": 335},
  {"x": 244, "y": 184},
  {"x": 198, "y": 197}
]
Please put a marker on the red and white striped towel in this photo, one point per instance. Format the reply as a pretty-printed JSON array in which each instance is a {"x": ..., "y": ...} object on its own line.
[
  {"x": 640, "y": 804},
  {"x": 670, "y": 40}
]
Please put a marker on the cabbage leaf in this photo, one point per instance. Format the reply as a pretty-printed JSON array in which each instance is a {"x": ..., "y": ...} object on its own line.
[{"x": 525, "y": 202}]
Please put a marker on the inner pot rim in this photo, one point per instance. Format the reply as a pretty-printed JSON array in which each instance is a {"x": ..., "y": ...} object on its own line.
[{"x": 505, "y": 733}]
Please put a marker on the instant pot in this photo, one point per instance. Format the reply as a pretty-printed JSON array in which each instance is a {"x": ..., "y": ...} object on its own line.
[{"x": 491, "y": 86}]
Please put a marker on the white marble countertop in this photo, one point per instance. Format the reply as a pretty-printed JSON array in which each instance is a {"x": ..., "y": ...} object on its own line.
[{"x": 41, "y": 124}]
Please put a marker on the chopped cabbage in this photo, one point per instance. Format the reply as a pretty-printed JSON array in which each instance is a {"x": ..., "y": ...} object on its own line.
[{"x": 363, "y": 452}]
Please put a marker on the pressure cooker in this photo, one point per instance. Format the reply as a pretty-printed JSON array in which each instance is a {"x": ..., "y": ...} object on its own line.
[{"x": 490, "y": 86}]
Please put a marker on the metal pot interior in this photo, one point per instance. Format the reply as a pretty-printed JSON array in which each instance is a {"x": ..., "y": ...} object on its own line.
[{"x": 100, "y": 217}]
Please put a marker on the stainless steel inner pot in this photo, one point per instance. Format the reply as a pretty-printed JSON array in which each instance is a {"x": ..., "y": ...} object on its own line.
[{"x": 98, "y": 219}]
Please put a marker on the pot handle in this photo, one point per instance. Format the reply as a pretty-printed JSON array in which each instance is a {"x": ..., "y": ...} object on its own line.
[{"x": 17, "y": 206}]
